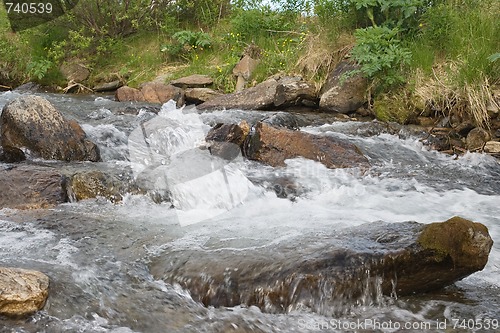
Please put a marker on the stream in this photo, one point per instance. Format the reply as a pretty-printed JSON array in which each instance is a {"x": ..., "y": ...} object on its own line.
[{"x": 101, "y": 256}]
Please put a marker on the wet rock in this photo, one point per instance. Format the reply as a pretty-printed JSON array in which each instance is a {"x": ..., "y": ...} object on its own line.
[
  {"x": 294, "y": 91},
  {"x": 155, "y": 92},
  {"x": 193, "y": 81},
  {"x": 11, "y": 155},
  {"x": 492, "y": 147},
  {"x": 225, "y": 140},
  {"x": 331, "y": 271},
  {"x": 93, "y": 184},
  {"x": 273, "y": 146},
  {"x": 200, "y": 95},
  {"x": 136, "y": 109},
  {"x": 31, "y": 187},
  {"x": 284, "y": 119},
  {"x": 344, "y": 95},
  {"x": 74, "y": 70},
  {"x": 29, "y": 87},
  {"x": 33, "y": 123},
  {"x": 260, "y": 97},
  {"x": 128, "y": 94},
  {"x": 477, "y": 138},
  {"x": 22, "y": 291},
  {"x": 108, "y": 86}
]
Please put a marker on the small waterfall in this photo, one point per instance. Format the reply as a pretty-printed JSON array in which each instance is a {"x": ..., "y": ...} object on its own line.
[{"x": 169, "y": 151}]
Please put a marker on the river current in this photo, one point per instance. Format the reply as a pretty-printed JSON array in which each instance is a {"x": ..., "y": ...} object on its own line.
[{"x": 100, "y": 256}]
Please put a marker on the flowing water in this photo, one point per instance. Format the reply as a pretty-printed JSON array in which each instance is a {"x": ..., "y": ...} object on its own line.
[{"x": 101, "y": 257}]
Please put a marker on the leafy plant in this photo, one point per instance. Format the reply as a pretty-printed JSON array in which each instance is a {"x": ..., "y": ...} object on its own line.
[
  {"x": 39, "y": 68},
  {"x": 186, "y": 41}
]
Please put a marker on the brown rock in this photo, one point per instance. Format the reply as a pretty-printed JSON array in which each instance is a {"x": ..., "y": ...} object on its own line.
[
  {"x": 273, "y": 146},
  {"x": 92, "y": 184},
  {"x": 243, "y": 71},
  {"x": 193, "y": 81},
  {"x": 155, "y": 92},
  {"x": 492, "y": 147},
  {"x": 343, "y": 95},
  {"x": 22, "y": 291},
  {"x": 477, "y": 138},
  {"x": 32, "y": 122},
  {"x": 31, "y": 187},
  {"x": 128, "y": 94},
  {"x": 351, "y": 265},
  {"x": 225, "y": 140},
  {"x": 74, "y": 70},
  {"x": 200, "y": 95}
]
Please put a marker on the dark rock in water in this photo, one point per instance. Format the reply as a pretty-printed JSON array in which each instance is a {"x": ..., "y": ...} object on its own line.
[
  {"x": 23, "y": 291},
  {"x": 32, "y": 122},
  {"x": 29, "y": 87},
  {"x": 332, "y": 271},
  {"x": 284, "y": 119},
  {"x": 28, "y": 187},
  {"x": 273, "y": 146},
  {"x": 225, "y": 140},
  {"x": 11, "y": 155}
]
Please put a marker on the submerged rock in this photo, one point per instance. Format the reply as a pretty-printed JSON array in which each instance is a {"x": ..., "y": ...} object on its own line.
[
  {"x": 33, "y": 123},
  {"x": 31, "y": 187},
  {"x": 22, "y": 291},
  {"x": 273, "y": 146},
  {"x": 331, "y": 271}
]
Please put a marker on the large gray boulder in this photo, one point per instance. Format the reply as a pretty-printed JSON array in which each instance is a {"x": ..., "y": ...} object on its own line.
[
  {"x": 341, "y": 268},
  {"x": 341, "y": 92},
  {"x": 33, "y": 123},
  {"x": 23, "y": 291}
]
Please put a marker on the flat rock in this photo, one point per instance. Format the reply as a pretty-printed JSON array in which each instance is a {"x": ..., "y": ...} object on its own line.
[
  {"x": 108, "y": 86},
  {"x": 22, "y": 291},
  {"x": 273, "y": 146},
  {"x": 193, "y": 81},
  {"x": 352, "y": 264},
  {"x": 33, "y": 123},
  {"x": 260, "y": 97}
]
